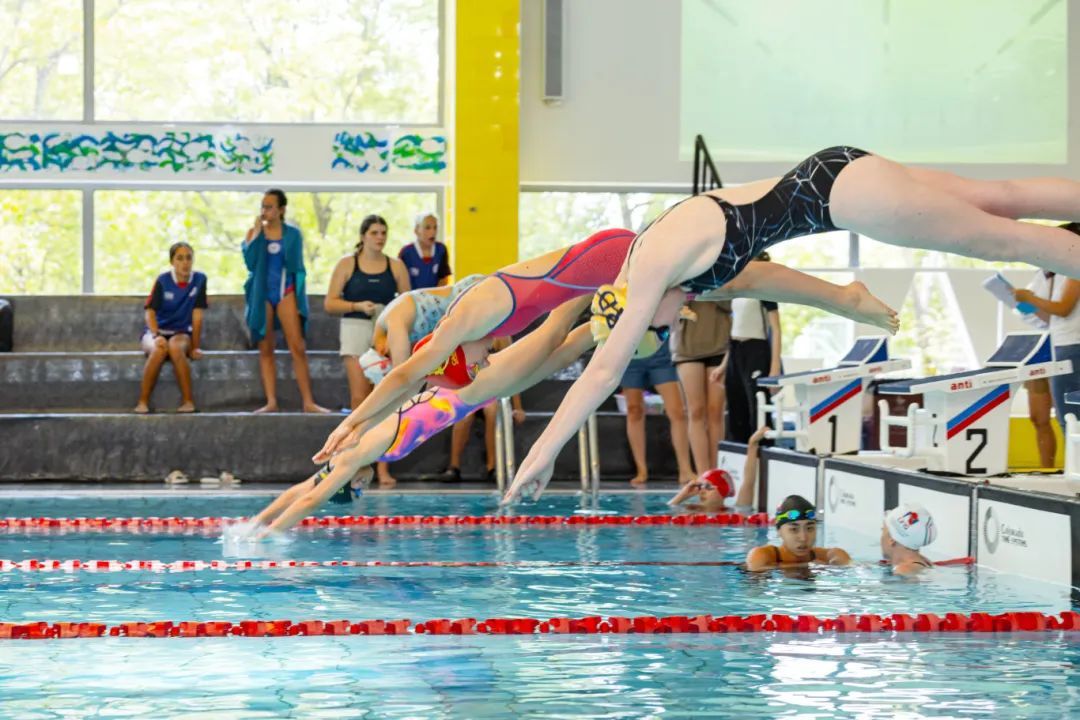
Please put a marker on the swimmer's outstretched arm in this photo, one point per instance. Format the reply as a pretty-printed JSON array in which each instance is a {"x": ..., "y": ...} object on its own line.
[
  {"x": 346, "y": 464},
  {"x": 286, "y": 498},
  {"x": 525, "y": 363},
  {"x": 283, "y": 501},
  {"x": 645, "y": 291},
  {"x": 779, "y": 283},
  {"x": 745, "y": 499}
]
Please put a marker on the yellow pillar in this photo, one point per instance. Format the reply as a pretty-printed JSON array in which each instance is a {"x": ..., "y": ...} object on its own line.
[{"x": 482, "y": 198}]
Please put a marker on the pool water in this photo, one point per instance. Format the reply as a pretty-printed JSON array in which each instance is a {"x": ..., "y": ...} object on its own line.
[{"x": 1023, "y": 675}]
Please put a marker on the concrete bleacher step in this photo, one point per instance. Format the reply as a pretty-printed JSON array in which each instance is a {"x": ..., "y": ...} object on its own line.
[
  {"x": 278, "y": 447},
  {"x": 222, "y": 380},
  {"x": 99, "y": 323}
]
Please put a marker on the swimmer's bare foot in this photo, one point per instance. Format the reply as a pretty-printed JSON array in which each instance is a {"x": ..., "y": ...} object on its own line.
[
  {"x": 141, "y": 409},
  {"x": 685, "y": 478},
  {"x": 639, "y": 480},
  {"x": 313, "y": 408},
  {"x": 270, "y": 407},
  {"x": 866, "y": 308},
  {"x": 186, "y": 408}
]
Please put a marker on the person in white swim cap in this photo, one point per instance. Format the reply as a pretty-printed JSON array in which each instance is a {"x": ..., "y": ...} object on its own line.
[{"x": 906, "y": 530}]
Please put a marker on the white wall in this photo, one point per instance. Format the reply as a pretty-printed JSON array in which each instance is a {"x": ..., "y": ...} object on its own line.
[{"x": 619, "y": 121}]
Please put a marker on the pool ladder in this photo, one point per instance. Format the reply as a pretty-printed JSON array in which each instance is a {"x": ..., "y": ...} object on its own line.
[{"x": 588, "y": 457}]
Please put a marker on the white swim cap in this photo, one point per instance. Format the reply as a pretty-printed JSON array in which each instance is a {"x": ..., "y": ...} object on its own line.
[
  {"x": 911, "y": 525},
  {"x": 374, "y": 366}
]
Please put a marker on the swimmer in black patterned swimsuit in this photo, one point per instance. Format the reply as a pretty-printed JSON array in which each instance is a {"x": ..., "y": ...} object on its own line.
[{"x": 705, "y": 241}]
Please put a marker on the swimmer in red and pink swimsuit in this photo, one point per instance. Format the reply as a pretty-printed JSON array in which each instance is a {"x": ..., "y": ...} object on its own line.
[{"x": 506, "y": 303}]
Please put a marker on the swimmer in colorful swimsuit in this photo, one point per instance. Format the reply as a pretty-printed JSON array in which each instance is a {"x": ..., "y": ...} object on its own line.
[
  {"x": 405, "y": 321},
  {"x": 561, "y": 283},
  {"x": 906, "y": 530},
  {"x": 796, "y": 524},
  {"x": 704, "y": 241},
  {"x": 526, "y": 362}
]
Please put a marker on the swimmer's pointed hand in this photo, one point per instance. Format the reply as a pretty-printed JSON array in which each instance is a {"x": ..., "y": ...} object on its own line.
[
  {"x": 333, "y": 443},
  {"x": 532, "y": 477}
]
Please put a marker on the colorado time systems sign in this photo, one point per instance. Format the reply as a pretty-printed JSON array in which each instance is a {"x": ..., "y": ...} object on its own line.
[
  {"x": 1024, "y": 541},
  {"x": 854, "y": 501}
]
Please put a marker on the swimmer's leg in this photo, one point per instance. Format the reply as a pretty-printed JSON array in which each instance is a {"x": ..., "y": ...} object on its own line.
[{"x": 886, "y": 201}]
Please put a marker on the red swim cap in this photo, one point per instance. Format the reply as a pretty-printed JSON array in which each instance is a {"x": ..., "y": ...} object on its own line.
[
  {"x": 454, "y": 373},
  {"x": 721, "y": 480}
]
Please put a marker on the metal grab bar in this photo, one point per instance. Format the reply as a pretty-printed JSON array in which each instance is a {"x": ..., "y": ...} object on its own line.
[
  {"x": 500, "y": 452},
  {"x": 506, "y": 411},
  {"x": 886, "y": 422},
  {"x": 764, "y": 407},
  {"x": 1072, "y": 436}
]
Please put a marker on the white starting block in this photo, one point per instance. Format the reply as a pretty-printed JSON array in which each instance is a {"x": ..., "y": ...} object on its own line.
[
  {"x": 964, "y": 427},
  {"x": 829, "y": 401},
  {"x": 1072, "y": 436}
]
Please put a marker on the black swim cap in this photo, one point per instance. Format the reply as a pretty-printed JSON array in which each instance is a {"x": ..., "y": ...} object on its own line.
[{"x": 794, "y": 507}]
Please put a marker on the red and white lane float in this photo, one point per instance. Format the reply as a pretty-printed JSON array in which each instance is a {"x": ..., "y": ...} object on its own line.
[
  {"x": 173, "y": 524},
  {"x": 1007, "y": 622}
]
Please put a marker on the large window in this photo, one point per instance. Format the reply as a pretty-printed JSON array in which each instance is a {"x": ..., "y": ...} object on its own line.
[
  {"x": 551, "y": 220},
  {"x": 40, "y": 242},
  {"x": 134, "y": 229},
  {"x": 281, "y": 61},
  {"x": 41, "y": 59}
]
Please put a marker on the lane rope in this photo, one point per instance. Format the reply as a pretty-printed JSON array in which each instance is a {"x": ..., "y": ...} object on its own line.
[
  {"x": 166, "y": 524},
  {"x": 106, "y": 566},
  {"x": 976, "y": 622}
]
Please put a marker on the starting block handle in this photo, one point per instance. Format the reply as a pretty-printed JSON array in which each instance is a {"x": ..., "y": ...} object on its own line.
[
  {"x": 1072, "y": 447},
  {"x": 764, "y": 408},
  {"x": 887, "y": 421}
]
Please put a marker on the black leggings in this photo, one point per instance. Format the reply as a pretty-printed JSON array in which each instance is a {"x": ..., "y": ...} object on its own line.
[{"x": 747, "y": 360}]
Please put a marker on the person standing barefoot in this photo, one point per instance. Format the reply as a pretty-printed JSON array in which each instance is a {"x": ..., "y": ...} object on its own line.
[{"x": 274, "y": 295}]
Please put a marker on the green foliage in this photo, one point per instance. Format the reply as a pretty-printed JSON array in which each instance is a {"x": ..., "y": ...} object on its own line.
[
  {"x": 551, "y": 220},
  {"x": 134, "y": 229},
  {"x": 40, "y": 242},
  {"x": 279, "y": 61},
  {"x": 41, "y": 48}
]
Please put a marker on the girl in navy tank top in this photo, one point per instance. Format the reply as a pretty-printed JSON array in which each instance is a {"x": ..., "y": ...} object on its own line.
[{"x": 361, "y": 285}]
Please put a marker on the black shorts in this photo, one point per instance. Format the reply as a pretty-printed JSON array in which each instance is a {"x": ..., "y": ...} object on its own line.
[{"x": 709, "y": 362}]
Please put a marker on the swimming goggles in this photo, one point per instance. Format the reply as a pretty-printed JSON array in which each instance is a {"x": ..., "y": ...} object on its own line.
[{"x": 793, "y": 515}]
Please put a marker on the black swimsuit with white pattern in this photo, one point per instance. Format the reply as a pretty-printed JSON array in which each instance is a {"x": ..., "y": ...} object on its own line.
[{"x": 798, "y": 205}]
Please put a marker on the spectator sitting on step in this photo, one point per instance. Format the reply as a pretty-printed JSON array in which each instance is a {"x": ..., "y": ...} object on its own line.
[
  {"x": 174, "y": 315},
  {"x": 714, "y": 486}
]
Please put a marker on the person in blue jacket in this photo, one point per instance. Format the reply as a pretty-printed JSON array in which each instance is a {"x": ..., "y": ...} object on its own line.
[
  {"x": 275, "y": 296},
  {"x": 174, "y": 317}
]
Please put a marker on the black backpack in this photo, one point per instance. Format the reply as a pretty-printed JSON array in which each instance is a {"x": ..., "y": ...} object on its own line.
[{"x": 7, "y": 326}]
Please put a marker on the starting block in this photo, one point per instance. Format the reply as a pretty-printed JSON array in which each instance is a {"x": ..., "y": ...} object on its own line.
[
  {"x": 1072, "y": 436},
  {"x": 829, "y": 401},
  {"x": 964, "y": 426}
]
